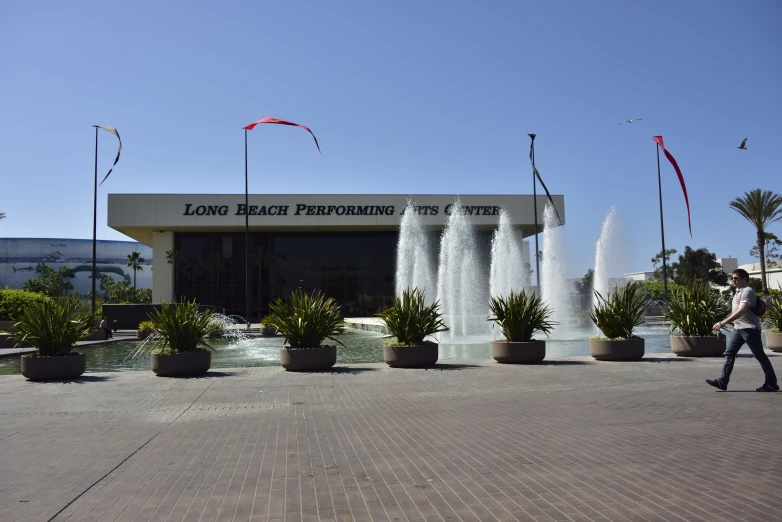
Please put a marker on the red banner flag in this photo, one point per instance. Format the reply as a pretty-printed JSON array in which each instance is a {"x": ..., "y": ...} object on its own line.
[
  {"x": 282, "y": 122},
  {"x": 659, "y": 140}
]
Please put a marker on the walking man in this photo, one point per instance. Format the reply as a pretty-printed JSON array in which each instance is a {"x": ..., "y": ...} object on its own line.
[{"x": 746, "y": 329}]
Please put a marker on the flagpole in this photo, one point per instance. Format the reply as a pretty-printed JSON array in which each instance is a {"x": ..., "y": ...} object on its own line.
[
  {"x": 246, "y": 237},
  {"x": 535, "y": 207},
  {"x": 94, "y": 223},
  {"x": 662, "y": 227}
]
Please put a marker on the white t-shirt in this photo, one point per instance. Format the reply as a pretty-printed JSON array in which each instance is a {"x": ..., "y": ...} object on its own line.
[{"x": 749, "y": 319}]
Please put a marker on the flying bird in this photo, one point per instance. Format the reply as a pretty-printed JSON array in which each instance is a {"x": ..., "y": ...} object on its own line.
[
  {"x": 629, "y": 121},
  {"x": 743, "y": 145}
]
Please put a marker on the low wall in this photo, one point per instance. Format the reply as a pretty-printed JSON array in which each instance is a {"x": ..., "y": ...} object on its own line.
[
  {"x": 370, "y": 324},
  {"x": 129, "y": 316}
]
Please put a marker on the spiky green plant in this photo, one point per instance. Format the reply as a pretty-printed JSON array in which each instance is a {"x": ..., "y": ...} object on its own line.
[
  {"x": 410, "y": 320},
  {"x": 305, "y": 320},
  {"x": 182, "y": 326},
  {"x": 521, "y": 315},
  {"x": 773, "y": 315},
  {"x": 51, "y": 326},
  {"x": 693, "y": 310},
  {"x": 618, "y": 314}
]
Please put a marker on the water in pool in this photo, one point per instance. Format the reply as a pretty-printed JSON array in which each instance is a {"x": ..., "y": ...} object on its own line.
[{"x": 360, "y": 347}]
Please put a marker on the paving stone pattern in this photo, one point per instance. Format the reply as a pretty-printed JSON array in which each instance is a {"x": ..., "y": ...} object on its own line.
[{"x": 569, "y": 440}]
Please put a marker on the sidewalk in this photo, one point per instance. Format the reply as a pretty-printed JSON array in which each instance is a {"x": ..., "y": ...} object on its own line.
[{"x": 571, "y": 439}]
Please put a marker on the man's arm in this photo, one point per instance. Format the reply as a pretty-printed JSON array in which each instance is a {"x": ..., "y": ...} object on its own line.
[{"x": 743, "y": 307}]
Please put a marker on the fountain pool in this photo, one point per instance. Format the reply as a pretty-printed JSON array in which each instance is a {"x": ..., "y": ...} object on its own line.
[{"x": 360, "y": 347}]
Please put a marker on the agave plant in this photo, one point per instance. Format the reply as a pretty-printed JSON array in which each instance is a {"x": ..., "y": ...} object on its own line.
[
  {"x": 305, "y": 320},
  {"x": 693, "y": 310},
  {"x": 182, "y": 326},
  {"x": 773, "y": 316},
  {"x": 51, "y": 326},
  {"x": 410, "y": 320},
  {"x": 521, "y": 315},
  {"x": 619, "y": 313}
]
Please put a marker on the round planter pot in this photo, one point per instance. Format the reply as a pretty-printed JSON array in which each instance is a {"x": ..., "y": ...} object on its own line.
[
  {"x": 616, "y": 350},
  {"x": 508, "y": 352},
  {"x": 268, "y": 332},
  {"x": 774, "y": 341},
  {"x": 53, "y": 367},
  {"x": 706, "y": 346},
  {"x": 142, "y": 334},
  {"x": 417, "y": 356},
  {"x": 184, "y": 364},
  {"x": 308, "y": 359}
]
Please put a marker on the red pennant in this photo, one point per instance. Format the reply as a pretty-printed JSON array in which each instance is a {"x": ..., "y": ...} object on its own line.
[
  {"x": 659, "y": 140},
  {"x": 282, "y": 122}
]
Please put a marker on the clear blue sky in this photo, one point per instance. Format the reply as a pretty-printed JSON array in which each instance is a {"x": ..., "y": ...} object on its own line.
[{"x": 405, "y": 97}]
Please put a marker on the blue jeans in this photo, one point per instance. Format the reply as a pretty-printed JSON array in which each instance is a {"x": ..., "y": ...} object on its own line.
[{"x": 736, "y": 340}]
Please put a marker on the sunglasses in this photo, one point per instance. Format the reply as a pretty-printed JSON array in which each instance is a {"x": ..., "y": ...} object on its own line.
[{"x": 734, "y": 278}]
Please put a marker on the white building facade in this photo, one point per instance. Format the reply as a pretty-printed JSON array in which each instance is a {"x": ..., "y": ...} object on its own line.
[{"x": 343, "y": 244}]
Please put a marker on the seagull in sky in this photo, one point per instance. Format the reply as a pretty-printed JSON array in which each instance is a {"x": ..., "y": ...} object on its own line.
[
  {"x": 743, "y": 145},
  {"x": 629, "y": 121}
]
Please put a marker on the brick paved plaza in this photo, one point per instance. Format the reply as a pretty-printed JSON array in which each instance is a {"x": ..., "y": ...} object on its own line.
[{"x": 572, "y": 439}]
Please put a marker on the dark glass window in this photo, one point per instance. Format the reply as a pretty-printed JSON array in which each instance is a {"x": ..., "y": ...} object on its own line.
[{"x": 355, "y": 268}]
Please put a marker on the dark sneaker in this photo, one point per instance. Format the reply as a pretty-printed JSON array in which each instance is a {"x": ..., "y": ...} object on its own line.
[
  {"x": 718, "y": 384},
  {"x": 768, "y": 388}
]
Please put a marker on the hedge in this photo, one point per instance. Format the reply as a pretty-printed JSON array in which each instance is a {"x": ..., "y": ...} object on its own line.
[{"x": 12, "y": 302}]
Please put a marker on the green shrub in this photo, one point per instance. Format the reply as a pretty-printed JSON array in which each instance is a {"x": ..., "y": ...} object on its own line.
[
  {"x": 52, "y": 327},
  {"x": 520, "y": 316},
  {"x": 146, "y": 326},
  {"x": 182, "y": 327},
  {"x": 268, "y": 319},
  {"x": 773, "y": 316},
  {"x": 305, "y": 320},
  {"x": 410, "y": 321},
  {"x": 13, "y": 302},
  {"x": 618, "y": 314},
  {"x": 693, "y": 310}
]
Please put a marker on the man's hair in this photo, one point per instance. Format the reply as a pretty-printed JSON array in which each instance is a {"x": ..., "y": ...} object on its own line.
[{"x": 741, "y": 273}]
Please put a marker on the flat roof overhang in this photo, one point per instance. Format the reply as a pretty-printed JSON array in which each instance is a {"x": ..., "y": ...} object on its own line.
[{"x": 139, "y": 215}]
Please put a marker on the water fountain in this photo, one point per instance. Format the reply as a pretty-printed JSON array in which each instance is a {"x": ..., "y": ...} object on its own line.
[
  {"x": 414, "y": 260},
  {"x": 609, "y": 259},
  {"x": 509, "y": 272},
  {"x": 229, "y": 329},
  {"x": 556, "y": 290},
  {"x": 462, "y": 288}
]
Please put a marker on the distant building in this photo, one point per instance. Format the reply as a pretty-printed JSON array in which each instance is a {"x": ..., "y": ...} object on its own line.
[
  {"x": 19, "y": 256},
  {"x": 639, "y": 276},
  {"x": 773, "y": 274}
]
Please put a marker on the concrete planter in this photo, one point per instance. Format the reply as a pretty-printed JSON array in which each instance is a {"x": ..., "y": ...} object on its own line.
[
  {"x": 417, "y": 356},
  {"x": 268, "y": 332},
  {"x": 183, "y": 364},
  {"x": 308, "y": 359},
  {"x": 53, "y": 367},
  {"x": 142, "y": 334},
  {"x": 509, "y": 352},
  {"x": 616, "y": 350},
  {"x": 774, "y": 341},
  {"x": 706, "y": 346}
]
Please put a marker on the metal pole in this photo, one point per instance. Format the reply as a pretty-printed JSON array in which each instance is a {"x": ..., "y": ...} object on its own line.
[
  {"x": 535, "y": 207},
  {"x": 662, "y": 227},
  {"x": 94, "y": 224},
  {"x": 246, "y": 236}
]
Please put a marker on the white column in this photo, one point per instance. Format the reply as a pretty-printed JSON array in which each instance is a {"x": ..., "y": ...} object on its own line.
[{"x": 162, "y": 271}]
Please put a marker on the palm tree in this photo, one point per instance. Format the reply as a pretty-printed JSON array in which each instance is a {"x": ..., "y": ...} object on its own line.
[
  {"x": 761, "y": 208},
  {"x": 134, "y": 261}
]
